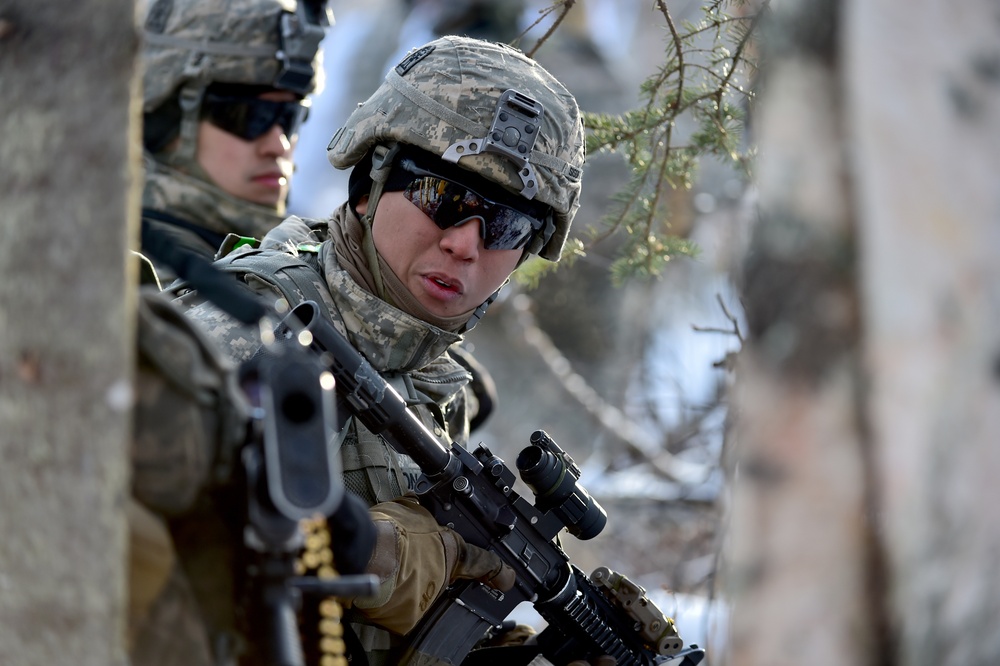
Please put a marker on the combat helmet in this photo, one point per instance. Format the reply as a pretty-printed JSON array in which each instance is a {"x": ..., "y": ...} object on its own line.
[
  {"x": 191, "y": 44},
  {"x": 488, "y": 108}
]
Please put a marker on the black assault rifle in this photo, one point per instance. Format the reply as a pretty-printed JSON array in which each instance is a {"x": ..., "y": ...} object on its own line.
[{"x": 472, "y": 492}]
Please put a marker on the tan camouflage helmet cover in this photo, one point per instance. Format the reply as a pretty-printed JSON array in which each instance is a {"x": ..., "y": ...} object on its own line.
[
  {"x": 445, "y": 98},
  {"x": 192, "y": 43}
]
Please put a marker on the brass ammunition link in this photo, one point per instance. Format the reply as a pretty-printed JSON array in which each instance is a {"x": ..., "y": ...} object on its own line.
[{"x": 317, "y": 560}]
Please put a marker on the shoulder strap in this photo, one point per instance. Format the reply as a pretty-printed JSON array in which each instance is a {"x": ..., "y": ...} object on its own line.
[
  {"x": 297, "y": 278},
  {"x": 212, "y": 238}
]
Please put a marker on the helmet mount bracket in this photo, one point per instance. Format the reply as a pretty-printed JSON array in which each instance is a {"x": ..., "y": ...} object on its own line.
[
  {"x": 300, "y": 35},
  {"x": 516, "y": 123}
]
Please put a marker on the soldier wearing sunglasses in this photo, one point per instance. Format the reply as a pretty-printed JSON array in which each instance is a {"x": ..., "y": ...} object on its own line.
[
  {"x": 465, "y": 162},
  {"x": 225, "y": 89}
]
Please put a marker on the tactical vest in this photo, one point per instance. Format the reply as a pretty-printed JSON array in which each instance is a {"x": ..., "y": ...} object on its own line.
[{"x": 372, "y": 469}]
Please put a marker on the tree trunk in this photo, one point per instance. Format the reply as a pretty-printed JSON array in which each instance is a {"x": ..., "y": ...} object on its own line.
[
  {"x": 868, "y": 406},
  {"x": 68, "y": 155}
]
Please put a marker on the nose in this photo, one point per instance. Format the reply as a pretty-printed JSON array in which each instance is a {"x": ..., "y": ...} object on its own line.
[
  {"x": 274, "y": 142},
  {"x": 463, "y": 240}
]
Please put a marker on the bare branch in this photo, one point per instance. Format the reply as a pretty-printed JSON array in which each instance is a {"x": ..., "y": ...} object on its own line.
[
  {"x": 566, "y": 6},
  {"x": 607, "y": 416}
]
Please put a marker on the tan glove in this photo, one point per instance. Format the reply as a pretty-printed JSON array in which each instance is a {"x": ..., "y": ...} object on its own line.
[{"x": 415, "y": 559}]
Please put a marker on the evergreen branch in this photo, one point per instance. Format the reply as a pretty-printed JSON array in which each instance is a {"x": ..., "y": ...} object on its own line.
[
  {"x": 679, "y": 51},
  {"x": 718, "y": 23},
  {"x": 695, "y": 81},
  {"x": 628, "y": 199}
]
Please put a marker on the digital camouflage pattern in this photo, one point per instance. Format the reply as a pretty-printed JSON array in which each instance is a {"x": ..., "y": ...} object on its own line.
[
  {"x": 194, "y": 199},
  {"x": 407, "y": 351},
  {"x": 393, "y": 341},
  {"x": 194, "y": 42},
  {"x": 189, "y": 45},
  {"x": 447, "y": 91},
  {"x": 188, "y": 420},
  {"x": 189, "y": 413},
  {"x": 468, "y": 76}
]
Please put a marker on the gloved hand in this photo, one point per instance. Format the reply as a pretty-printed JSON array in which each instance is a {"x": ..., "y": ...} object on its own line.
[
  {"x": 415, "y": 559},
  {"x": 353, "y": 541}
]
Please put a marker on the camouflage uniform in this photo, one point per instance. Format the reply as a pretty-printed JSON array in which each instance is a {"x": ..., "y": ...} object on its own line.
[
  {"x": 440, "y": 96},
  {"x": 190, "y": 44},
  {"x": 200, "y": 204},
  {"x": 407, "y": 351},
  {"x": 189, "y": 418}
]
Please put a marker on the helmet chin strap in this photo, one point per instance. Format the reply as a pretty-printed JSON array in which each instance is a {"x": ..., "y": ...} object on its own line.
[
  {"x": 382, "y": 158},
  {"x": 480, "y": 311},
  {"x": 183, "y": 155}
]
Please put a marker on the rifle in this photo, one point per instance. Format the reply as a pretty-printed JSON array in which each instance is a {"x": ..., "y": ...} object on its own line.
[
  {"x": 472, "y": 493},
  {"x": 469, "y": 492}
]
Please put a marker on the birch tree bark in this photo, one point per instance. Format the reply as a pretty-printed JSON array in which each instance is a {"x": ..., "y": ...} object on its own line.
[
  {"x": 924, "y": 102},
  {"x": 868, "y": 405},
  {"x": 67, "y": 136}
]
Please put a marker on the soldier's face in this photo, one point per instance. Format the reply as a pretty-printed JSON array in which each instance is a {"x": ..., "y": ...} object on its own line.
[
  {"x": 257, "y": 170},
  {"x": 447, "y": 270}
]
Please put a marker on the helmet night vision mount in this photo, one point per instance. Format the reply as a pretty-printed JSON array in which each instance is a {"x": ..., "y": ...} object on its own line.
[{"x": 515, "y": 127}]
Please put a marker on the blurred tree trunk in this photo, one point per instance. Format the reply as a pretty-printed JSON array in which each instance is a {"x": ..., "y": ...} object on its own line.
[
  {"x": 67, "y": 149},
  {"x": 868, "y": 404}
]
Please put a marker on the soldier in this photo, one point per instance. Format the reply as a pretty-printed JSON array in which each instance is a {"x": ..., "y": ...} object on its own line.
[
  {"x": 225, "y": 89},
  {"x": 466, "y": 161}
]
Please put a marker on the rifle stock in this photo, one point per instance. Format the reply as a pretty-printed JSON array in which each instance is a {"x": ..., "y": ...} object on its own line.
[{"x": 472, "y": 493}]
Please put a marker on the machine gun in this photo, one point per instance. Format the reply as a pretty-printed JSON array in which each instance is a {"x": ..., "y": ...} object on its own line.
[
  {"x": 472, "y": 493},
  {"x": 290, "y": 473}
]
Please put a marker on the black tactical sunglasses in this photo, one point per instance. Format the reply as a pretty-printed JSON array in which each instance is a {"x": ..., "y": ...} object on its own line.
[
  {"x": 449, "y": 204},
  {"x": 251, "y": 117}
]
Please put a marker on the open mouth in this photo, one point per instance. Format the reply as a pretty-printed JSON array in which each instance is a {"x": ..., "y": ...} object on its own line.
[{"x": 444, "y": 284}]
